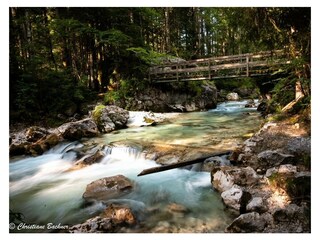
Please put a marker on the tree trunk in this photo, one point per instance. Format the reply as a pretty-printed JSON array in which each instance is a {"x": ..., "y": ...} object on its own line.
[
  {"x": 167, "y": 30},
  {"x": 48, "y": 38}
]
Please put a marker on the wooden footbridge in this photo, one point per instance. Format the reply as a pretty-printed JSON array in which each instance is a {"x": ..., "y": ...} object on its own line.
[{"x": 234, "y": 66}]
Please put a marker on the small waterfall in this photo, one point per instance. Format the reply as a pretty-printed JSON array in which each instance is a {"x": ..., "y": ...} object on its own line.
[
  {"x": 122, "y": 153},
  {"x": 233, "y": 106},
  {"x": 64, "y": 148}
]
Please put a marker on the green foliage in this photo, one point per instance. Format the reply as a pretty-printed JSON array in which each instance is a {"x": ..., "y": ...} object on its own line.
[
  {"x": 195, "y": 87},
  {"x": 111, "y": 97},
  {"x": 148, "y": 57},
  {"x": 285, "y": 87},
  {"x": 47, "y": 93},
  {"x": 114, "y": 37},
  {"x": 278, "y": 116},
  {"x": 283, "y": 92},
  {"x": 125, "y": 90},
  {"x": 26, "y": 95},
  {"x": 140, "y": 61}
]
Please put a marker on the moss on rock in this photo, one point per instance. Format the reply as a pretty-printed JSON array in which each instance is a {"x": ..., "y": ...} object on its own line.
[{"x": 96, "y": 113}]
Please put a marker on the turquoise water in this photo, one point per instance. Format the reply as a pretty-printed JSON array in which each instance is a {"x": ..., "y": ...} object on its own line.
[{"x": 44, "y": 191}]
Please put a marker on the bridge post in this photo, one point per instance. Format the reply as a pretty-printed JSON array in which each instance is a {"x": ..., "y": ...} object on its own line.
[{"x": 247, "y": 61}]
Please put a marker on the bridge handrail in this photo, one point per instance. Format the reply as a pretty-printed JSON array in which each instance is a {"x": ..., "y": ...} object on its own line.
[
  {"x": 223, "y": 58},
  {"x": 208, "y": 67}
]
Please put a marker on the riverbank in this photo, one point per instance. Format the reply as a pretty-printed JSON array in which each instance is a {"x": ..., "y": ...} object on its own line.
[{"x": 269, "y": 184}]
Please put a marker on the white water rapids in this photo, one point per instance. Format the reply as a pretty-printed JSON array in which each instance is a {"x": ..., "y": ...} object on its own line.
[{"x": 44, "y": 191}]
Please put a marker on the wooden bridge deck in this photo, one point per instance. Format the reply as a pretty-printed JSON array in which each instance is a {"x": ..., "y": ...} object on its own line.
[{"x": 234, "y": 66}]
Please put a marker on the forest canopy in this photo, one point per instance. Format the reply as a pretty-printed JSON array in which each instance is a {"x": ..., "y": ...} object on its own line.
[{"x": 61, "y": 57}]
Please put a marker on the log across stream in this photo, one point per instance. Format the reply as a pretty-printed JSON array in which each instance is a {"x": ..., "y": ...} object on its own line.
[{"x": 180, "y": 164}]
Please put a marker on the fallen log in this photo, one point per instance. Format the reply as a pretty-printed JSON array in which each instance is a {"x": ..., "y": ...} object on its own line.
[{"x": 180, "y": 164}]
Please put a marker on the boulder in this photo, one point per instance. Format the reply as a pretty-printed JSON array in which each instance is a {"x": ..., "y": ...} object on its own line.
[
  {"x": 292, "y": 219},
  {"x": 45, "y": 143},
  {"x": 233, "y": 96},
  {"x": 285, "y": 214},
  {"x": 111, "y": 220},
  {"x": 106, "y": 125},
  {"x": 109, "y": 118},
  {"x": 256, "y": 204},
  {"x": 91, "y": 159},
  {"x": 93, "y": 225},
  {"x": 249, "y": 223},
  {"x": 221, "y": 180},
  {"x": 120, "y": 214},
  {"x": 232, "y": 197},
  {"x": 34, "y": 140},
  {"x": 79, "y": 129},
  {"x": 210, "y": 163},
  {"x": 21, "y": 142},
  {"x": 271, "y": 171},
  {"x": 35, "y": 133},
  {"x": 287, "y": 169},
  {"x": 299, "y": 146},
  {"x": 107, "y": 188},
  {"x": 19, "y": 148},
  {"x": 299, "y": 187},
  {"x": 118, "y": 115},
  {"x": 271, "y": 158},
  {"x": 225, "y": 177}
]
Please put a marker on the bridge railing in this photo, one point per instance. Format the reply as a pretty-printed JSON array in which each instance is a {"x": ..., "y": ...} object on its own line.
[{"x": 217, "y": 67}]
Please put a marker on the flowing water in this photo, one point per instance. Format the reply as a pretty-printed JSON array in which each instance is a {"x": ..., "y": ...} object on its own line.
[{"x": 44, "y": 191}]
